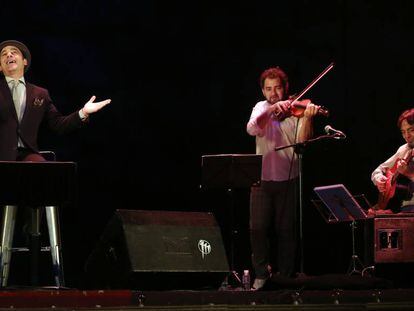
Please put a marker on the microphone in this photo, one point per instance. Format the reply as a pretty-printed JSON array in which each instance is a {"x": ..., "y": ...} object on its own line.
[{"x": 335, "y": 133}]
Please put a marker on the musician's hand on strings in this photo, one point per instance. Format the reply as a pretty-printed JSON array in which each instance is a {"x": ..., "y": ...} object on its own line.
[
  {"x": 280, "y": 109},
  {"x": 282, "y": 105},
  {"x": 382, "y": 183},
  {"x": 311, "y": 110},
  {"x": 402, "y": 166}
]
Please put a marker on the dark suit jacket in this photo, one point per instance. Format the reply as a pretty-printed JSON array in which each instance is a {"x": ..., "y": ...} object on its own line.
[{"x": 39, "y": 108}]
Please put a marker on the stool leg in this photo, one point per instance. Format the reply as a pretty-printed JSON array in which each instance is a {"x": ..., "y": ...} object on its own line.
[
  {"x": 34, "y": 246},
  {"x": 52, "y": 217},
  {"x": 7, "y": 231}
]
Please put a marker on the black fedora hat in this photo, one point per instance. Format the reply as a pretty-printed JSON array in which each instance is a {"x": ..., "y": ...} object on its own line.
[{"x": 22, "y": 47}]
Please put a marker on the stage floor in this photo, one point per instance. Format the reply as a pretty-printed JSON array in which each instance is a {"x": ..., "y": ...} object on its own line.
[
  {"x": 52, "y": 299},
  {"x": 338, "y": 292}
]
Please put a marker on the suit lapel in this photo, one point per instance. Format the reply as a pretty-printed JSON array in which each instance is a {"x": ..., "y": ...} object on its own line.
[
  {"x": 4, "y": 87},
  {"x": 29, "y": 100}
]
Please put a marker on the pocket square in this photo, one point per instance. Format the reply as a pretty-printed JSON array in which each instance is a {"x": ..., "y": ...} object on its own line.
[{"x": 38, "y": 102}]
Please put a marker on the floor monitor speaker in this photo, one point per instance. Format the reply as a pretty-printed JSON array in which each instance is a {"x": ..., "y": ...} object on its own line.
[{"x": 156, "y": 250}]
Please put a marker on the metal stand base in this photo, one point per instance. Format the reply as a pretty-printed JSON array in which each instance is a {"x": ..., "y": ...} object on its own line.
[
  {"x": 232, "y": 280},
  {"x": 355, "y": 262},
  {"x": 354, "y": 266}
]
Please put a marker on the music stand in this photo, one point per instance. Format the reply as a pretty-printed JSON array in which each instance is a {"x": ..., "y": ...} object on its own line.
[
  {"x": 342, "y": 207},
  {"x": 35, "y": 184},
  {"x": 231, "y": 171}
]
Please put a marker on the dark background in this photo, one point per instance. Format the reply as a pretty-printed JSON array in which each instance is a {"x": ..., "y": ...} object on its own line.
[{"x": 183, "y": 78}]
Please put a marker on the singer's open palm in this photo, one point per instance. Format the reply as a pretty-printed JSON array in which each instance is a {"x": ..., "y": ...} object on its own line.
[{"x": 91, "y": 106}]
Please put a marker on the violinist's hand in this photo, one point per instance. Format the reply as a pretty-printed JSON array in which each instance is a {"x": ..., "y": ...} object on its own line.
[
  {"x": 282, "y": 105},
  {"x": 91, "y": 106},
  {"x": 280, "y": 108},
  {"x": 311, "y": 110},
  {"x": 381, "y": 183}
]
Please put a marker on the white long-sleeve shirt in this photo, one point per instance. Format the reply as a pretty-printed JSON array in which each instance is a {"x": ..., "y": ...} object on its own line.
[{"x": 276, "y": 165}]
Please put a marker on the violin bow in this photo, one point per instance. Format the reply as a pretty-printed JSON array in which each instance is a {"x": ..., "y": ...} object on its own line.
[{"x": 324, "y": 72}]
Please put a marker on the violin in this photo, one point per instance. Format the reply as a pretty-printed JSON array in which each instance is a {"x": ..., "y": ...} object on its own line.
[{"x": 297, "y": 108}]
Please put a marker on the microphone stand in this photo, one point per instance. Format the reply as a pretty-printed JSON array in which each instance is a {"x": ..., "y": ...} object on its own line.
[{"x": 299, "y": 149}]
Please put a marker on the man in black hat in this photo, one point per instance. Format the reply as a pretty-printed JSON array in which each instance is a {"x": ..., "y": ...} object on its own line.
[{"x": 24, "y": 106}]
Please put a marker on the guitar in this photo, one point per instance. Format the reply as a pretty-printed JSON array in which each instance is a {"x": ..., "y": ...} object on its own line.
[{"x": 391, "y": 184}]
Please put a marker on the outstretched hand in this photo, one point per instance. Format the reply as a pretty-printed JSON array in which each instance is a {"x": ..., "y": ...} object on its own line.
[{"x": 91, "y": 106}]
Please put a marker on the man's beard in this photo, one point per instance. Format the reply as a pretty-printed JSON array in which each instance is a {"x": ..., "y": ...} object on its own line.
[{"x": 274, "y": 99}]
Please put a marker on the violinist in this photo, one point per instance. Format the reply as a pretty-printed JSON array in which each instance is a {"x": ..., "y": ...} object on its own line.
[
  {"x": 385, "y": 176},
  {"x": 273, "y": 202}
]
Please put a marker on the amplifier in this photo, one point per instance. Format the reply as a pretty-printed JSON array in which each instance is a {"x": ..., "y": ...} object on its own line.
[{"x": 393, "y": 238}]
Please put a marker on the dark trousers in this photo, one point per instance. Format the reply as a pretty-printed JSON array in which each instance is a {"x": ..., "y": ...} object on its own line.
[{"x": 273, "y": 227}]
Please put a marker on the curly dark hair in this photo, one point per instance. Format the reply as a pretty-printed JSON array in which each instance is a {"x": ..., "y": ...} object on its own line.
[
  {"x": 274, "y": 73},
  {"x": 406, "y": 115}
]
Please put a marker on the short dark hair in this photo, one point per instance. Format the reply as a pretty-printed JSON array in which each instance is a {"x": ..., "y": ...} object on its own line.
[
  {"x": 406, "y": 115},
  {"x": 274, "y": 73}
]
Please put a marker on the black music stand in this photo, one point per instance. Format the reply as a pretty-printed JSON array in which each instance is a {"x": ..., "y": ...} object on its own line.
[
  {"x": 341, "y": 207},
  {"x": 37, "y": 184},
  {"x": 231, "y": 171}
]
